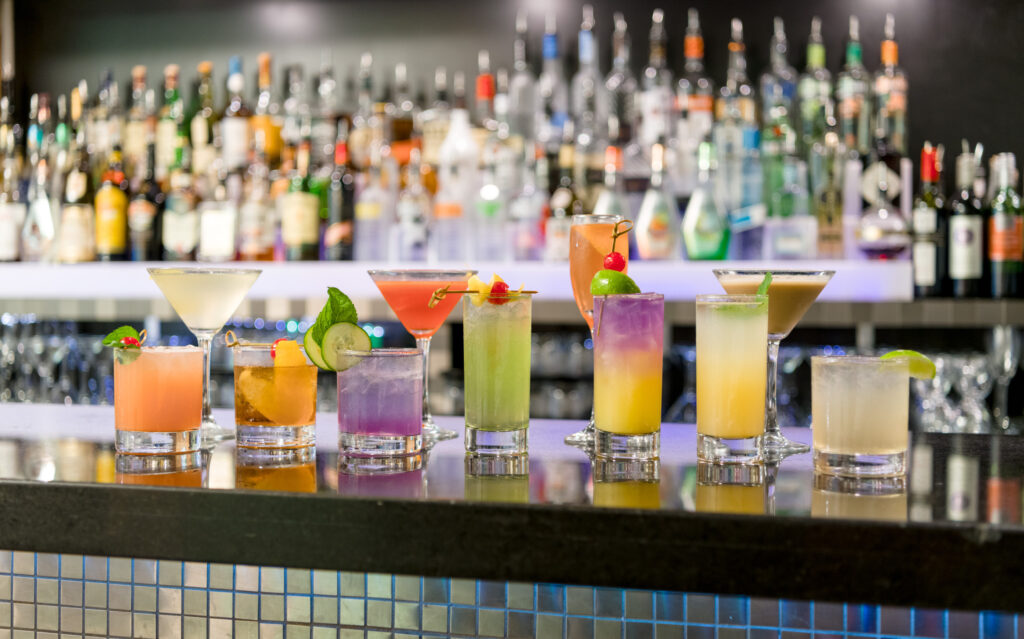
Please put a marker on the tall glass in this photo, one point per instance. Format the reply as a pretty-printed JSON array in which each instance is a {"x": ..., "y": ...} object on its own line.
[
  {"x": 158, "y": 399},
  {"x": 379, "y": 397},
  {"x": 859, "y": 415},
  {"x": 628, "y": 353},
  {"x": 275, "y": 405},
  {"x": 590, "y": 239},
  {"x": 790, "y": 294},
  {"x": 204, "y": 299},
  {"x": 408, "y": 292},
  {"x": 496, "y": 339},
  {"x": 732, "y": 333}
]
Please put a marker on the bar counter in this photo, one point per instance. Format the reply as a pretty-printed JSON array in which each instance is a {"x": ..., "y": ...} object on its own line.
[{"x": 949, "y": 536}]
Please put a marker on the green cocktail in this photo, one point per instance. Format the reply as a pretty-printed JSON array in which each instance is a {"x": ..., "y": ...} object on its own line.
[{"x": 496, "y": 340}]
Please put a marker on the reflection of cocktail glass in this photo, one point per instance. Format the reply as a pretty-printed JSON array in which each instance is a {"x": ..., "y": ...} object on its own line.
[
  {"x": 731, "y": 335},
  {"x": 859, "y": 412},
  {"x": 790, "y": 295},
  {"x": 858, "y": 498},
  {"x": 731, "y": 488},
  {"x": 182, "y": 470},
  {"x": 590, "y": 239},
  {"x": 408, "y": 292},
  {"x": 286, "y": 469},
  {"x": 497, "y": 365},
  {"x": 379, "y": 402},
  {"x": 627, "y": 483},
  {"x": 205, "y": 298},
  {"x": 497, "y": 478},
  {"x": 158, "y": 399},
  {"x": 275, "y": 406},
  {"x": 398, "y": 477},
  {"x": 628, "y": 337}
]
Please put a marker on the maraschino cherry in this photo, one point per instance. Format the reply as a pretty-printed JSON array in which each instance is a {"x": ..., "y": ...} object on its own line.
[{"x": 615, "y": 261}]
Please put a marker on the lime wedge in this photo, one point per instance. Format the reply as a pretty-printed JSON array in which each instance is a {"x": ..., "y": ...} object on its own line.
[
  {"x": 920, "y": 366},
  {"x": 343, "y": 336},
  {"x": 609, "y": 282}
]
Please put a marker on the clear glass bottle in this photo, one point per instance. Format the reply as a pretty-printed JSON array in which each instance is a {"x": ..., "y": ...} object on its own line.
[
  {"x": 266, "y": 117},
  {"x": 12, "y": 209},
  {"x": 890, "y": 90},
  {"x": 457, "y": 182},
  {"x": 928, "y": 224},
  {"x": 235, "y": 130},
  {"x": 410, "y": 234},
  {"x": 256, "y": 217},
  {"x": 553, "y": 91},
  {"x": 373, "y": 211},
  {"x": 490, "y": 224},
  {"x": 853, "y": 87},
  {"x": 526, "y": 211},
  {"x": 814, "y": 91},
  {"x": 341, "y": 202},
  {"x": 135, "y": 134},
  {"x": 218, "y": 221},
  {"x": 180, "y": 229},
  {"x": 657, "y": 95},
  {"x": 522, "y": 90},
  {"x": 778, "y": 83},
  {"x": 202, "y": 120},
  {"x": 76, "y": 239},
  {"x": 705, "y": 227},
  {"x": 657, "y": 224},
  {"x": 170, "y": 118},
  {"x": 587, "y": 89}
]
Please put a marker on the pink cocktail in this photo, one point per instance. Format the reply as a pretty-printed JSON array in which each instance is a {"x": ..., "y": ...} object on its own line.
[{"x": 158, "y": 399}]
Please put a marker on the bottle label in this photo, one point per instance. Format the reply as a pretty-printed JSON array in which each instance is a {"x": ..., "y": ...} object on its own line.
[
  {"x": 965, "y": 254},
  {"x": 141, "y": 214},
  {"x": 180, "y": 231},
  {"x": 251, "y": 220},
  {"x": 134, "y": 142},
  {"x": 235, "y": 134},
  {"x": 923, "y": 255},
  {"x": 166, "y": 145},
  {"x": 368, "y": 210},
  {"x": 556, "y": 243},
  {"x": 217, "y": 233},
  {"x": 271, "y": 134},
  {"x": 12, "y": 216},
  {"x": 76, "y": 185},
  {"x": 926, "y": 220},
  {"x": 488, "y": 209},
  {"x": 655, "y": 238},
  {"x": 75, "y": 243},
  {"x": 111, "y": 221},
  {"x": 1006, "y": 238},
  {"x": 876, "y": 175},
  {"x": 443, "y": 210},
  {"x": 655, "y": 105},
  {"x": 300, "y": 218}
]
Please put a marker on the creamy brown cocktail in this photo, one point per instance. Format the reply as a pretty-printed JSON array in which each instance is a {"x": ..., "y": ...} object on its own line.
[{"x": 789, "y": 296}]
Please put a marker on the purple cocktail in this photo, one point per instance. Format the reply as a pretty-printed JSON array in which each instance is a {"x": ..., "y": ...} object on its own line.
[{"x": 380, "y": 403}]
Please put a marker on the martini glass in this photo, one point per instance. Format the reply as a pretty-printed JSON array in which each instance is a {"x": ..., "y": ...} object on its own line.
[
  {"x": 790, "y": 294},
  {"x": 205, "y": 298},
  {"x": 590, "y": 239},
  {"x": 408, "y": 293}
]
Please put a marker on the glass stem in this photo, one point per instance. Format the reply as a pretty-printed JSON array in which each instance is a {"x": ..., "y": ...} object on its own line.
[
  {"x": 770, "y": 412},
  {"x": 206, "y": 343},
  {"x": 1002, "y": 419},
  {"x": 423, "y": 343},
  {"x": 590, "y": 424}
]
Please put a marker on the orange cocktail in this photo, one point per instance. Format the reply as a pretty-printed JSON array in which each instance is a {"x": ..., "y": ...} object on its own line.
[
  {"x": 590, "y": 240},
  {"x": 158, "y": 399},
  {"x": 409, "y": 299}
]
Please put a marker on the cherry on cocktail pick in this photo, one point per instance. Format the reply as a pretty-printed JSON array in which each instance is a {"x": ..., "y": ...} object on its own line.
[
  {"x": 273, "y": 347},
  {"x": 499, "y": 293},
  {"x": 615, "y": 260},
  {"x": 130, "y": 341}
]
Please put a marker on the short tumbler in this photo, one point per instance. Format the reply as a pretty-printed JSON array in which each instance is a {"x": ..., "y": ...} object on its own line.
[
  {"x": 380, "y": 402},
  {"x": 158, "y": 399},
  {"x": 275, "y": 406}
]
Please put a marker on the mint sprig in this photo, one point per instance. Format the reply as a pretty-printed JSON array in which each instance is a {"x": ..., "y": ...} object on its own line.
[
  {"x": 765, "y": 283},
  {"x": 118, "y": 334},
  {"x": 339, "y": 308}
]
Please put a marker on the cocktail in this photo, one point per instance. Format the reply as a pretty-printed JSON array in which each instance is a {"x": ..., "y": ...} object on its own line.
[
  {"x": 497, "y": 478},
  {"x": 380, "y": 400},
  {"x": 859, "y": 414},
  {"x": 275, "y": 395},
  {"x": 204, "y": 299},
  {"x": 284, "y": 469},
  {"x": 496, "y": 339},
  {"x": 627, "y": 483},
  {"x": 408, "y": 292},
  {"x": 732, "y": 335},
  {"x": 591, "y": 239},
  {"x": 183, "y": 470},
  {"x": 628, "y": 337},
  {"x": 158, "y": 399},
  {"x": 790, "y": 294}
]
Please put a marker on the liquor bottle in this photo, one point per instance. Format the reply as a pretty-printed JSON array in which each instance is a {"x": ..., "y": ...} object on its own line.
[
  {"x": 890, "y": 90},
  {"x": 852, "y": 94},
  {"x": 814, "y": 91},
  {"x": 621, "y": 88},
  {"x": 883, "y": 232},
  {"x": 144, "y": 212},
  {"x": 202, "y": 120},
  {"x": 218, "y": 221},
  {"x": 373, "y": 211},
  {"x": 491, "y": 207},
  {"x": 587, "y": 84},
  {"x": 1006, "y": 232},
  {"x": 928, "y": 251},
  {"x": 966, "y": 229},
  {"x": 299, "y": 210},
  {"x": 483, "y": 116},
  {"x": 12, "y": 209},
  {"x": 657, "y": 224},
  {"x": 695, "y": 96},
  {"x": 341, "y": 202},
  {"x": 135, "y": 133},
  {"x": 169, "y": 122},
  {"x": 522, "y": 90},
  {"x": 323, "y": 119},
  {"x": 791, "y": 232},
  {"x": 612, "y": 200},
  {"x": 737, "y": 94},
  {"x": 656, "y": 97},
  {"x": 266, "y": 117},
  {"x": 457, "y": 186},
  {"x": 76, "y": 239},
  {"x": 235, "y": 134},
  {"x": 179, "y": 232},
  {"x": 705, "y": 229},
  {"x": 589, "y": 150},
  {"x": 256, "y": 219},
  {"x": 553, "y": 91},
  {"x": 359, "y": 135},
  {"x": 112, "y": 211},
  {"x": 564, "y": 202},
  {"x": 433, "y": 122},
  {"x": 527, "y": 210},
  {"x": 409, "y": 236},
  {"x": 830, "y": 156},
  {"x": 779, "y": 74}
]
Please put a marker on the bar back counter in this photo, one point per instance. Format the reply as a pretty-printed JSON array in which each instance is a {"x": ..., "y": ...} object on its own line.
[{"x": 304, "y": 544}]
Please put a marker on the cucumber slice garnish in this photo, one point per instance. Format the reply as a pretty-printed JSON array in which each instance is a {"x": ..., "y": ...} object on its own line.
[
  {"x": 313, "y": 351},
  {"x": 340, "y": 337}
]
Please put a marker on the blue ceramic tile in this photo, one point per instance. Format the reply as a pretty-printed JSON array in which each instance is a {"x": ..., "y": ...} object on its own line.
[
  {"x": 579, "y": 628},
  {"x": 929, "y": 623},
  {"x": 894, "y": 621},
  {"x": 550, "y": 598},
  {"x": 829, "y": 616},
  {"x": 639, "y": 604},
  {"x": 579, "y": 601},
  {"x": 520, "y": 625},
  {"x": 764, "y": 612},
  {"x": 609, "y": 602},
  {"x": 700, "y": 609},
  {"x": 462, "y": 620},
  {"x": 669, "y": 606},
  {"x": 861, "y": 618},
  {"x": 732, "y": 610},
  {"x": 435, "y": 590},
  {"x": 995, "y": 625},
  {"x": 490, "y": 594},
  {"x": 637, "y": 630},
  {"x": 700, "y": 632},
  {"x": 795, "y": 614}
]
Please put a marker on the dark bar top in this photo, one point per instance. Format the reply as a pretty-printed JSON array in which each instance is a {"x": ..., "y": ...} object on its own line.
[{"x": 948, "y": 535}]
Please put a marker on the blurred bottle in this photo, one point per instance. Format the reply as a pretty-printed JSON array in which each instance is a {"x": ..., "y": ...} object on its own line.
[
  {"x": 257, "y": 230},
  {"x": 966, "y": 228},
  {"x": 145, "y": 210},
  {"x": 112, "y": 211},
  {"x": 553, "y": 91},
  {"x": 491, "y": 206},
  {"x": 235, "y": 129},
  {"x": 853, "y": 96},
  {"x": 458, "y": 183},
  {"x": 657, "y": 224},
  {"x": 830, "y": 156},
  {"x": 433, "y": 121},
  {"x": 890, "y": 90},
  {"x": 522, "y": 92},
  {"x": 203, "y": 119},
  {"x": 135, "y": 131},
  {"x": 218, "y": 221},
  {"x": 814, "y": 91},
  {"x": 612, "y": 200},
  {"x": 76, "y": 239},
  {"x": 266, "y": 118},
  {"x": 929, "y": 227},
  {"x": 172, "y": 115},
  {"x": 410, "y": 233},
  {"x": 587, "y": 89},
  {"x": 180, "y": 229},
  {"x": 705, "y": 227},
  {"x": 324, "y": 118},
  {"x": 299, "y": 210},
  {"x": 527, "y": 211},
  {"x": 778, "y": 83},
  {"x": 1005, "y": 232},
  {"x": 791, "y": 232},
  {"x": 656, "y": 97},
  {"x": 373, "y": 211},
  {"x": 695, "y": 102},
  {"x": 341, "y": 202}
]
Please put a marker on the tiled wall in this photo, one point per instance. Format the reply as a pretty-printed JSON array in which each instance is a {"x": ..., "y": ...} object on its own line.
[{"x": 59, "y": 596}]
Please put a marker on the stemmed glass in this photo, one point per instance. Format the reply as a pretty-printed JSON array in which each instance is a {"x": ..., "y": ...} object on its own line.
[
  {"x": 590, "y": 240},
  {"x": 790, "y": 294},
  {"x": 408, "y": 292},
  {"x": 1004, "y": 346},
  {"x": 204, "y": 299}
]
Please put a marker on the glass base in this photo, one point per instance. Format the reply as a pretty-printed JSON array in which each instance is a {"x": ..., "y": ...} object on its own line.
[
  {"x": 363, "y": 465},
  {"x": 213, "y": 433},
  {"x": 249, "y": 436},
  {"x": 775, "y": 446},
  {"x": 616, "y": 446},
  {"x": 378, "y": 445},
  {"x": 582, "y": 438},
  {"x": 496, "y": 442},
  {"x": 722, "y": 450},
  {"x": 435, "y": 433},
  {"x": 141, "y": 442},
  {"x": 891, "y": 465}
]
